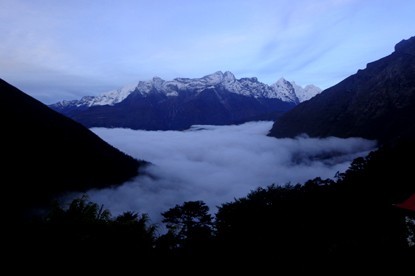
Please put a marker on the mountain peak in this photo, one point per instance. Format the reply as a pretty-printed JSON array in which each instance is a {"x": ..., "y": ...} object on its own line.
[
  {"x": 286, "y": 89},
  {"x": 157, "y": 79},
  {"x": 228, "y": 76},
  {"x": 306, "y": 93},
  {"x": 250, "y": 87},
  {"x": 406, "y": 46},
  {"x": 157, "y": 82},
  {"x": 218, "y": 98},
  {"x": 214, "y": 78},
  {"x": 283, "y": 81}
]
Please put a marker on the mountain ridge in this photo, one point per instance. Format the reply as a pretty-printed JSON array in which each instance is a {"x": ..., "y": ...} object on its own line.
[
  {"x": 47, "y": 154},
  {"x": 218, "y": 98},
  {"x": 374, "y": 103},
  {"x": 282, "y": 89}
]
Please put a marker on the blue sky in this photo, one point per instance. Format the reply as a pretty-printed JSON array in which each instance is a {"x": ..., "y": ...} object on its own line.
[{"x": 56, "y": 50}]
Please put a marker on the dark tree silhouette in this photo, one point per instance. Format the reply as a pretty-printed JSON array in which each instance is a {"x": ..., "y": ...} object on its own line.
[
  {"x": 183, "y": 220},
  {"x": 84, "y": 230},
  {"x": 347, "y": 223},
  {"x": 80, "y": 211},
  {"x": 324, "y": 221},
  {"x": 190, "y": 228}
]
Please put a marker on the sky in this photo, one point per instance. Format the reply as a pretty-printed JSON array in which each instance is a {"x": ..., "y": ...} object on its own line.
[
  {"x": 217, "y": 164},
  {"x": 55, "y": 50}
]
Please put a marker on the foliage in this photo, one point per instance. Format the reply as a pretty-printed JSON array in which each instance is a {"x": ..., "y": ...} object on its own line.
[
  {"x": 351, "y": 218},
  {"x": 318, "y": 222},
  {"x": 89, "y": 230},
  {"x": 79, "y": 211},
  {"x": 190, "y": 228},
  {"x": 182, "y": 220}
]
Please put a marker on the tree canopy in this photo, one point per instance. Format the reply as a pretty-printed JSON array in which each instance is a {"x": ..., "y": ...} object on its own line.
[{"x": 320, "y": 221}]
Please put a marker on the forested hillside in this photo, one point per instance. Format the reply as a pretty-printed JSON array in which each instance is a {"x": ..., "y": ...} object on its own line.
[{"x": 352, "y": 220}]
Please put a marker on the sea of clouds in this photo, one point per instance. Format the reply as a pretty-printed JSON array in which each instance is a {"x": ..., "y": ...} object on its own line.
[{"x": 217, "y": 164}]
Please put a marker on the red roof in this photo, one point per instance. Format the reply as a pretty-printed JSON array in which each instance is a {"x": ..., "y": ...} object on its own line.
[{"x": 408, "y": 204}]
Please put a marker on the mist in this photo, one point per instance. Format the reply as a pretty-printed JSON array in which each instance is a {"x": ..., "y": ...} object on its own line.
[{"x": 217, "y": 164}]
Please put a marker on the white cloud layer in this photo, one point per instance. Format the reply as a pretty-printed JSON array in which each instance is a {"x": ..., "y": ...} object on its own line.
[{"x": 218, "y": 163}]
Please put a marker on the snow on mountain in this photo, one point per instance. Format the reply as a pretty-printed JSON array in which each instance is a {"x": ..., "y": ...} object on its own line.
[
  {"x": 285, "y": 90},
  {"x": 109, "y": 98},
  {"x": 282, "y": 89},
  {"x": 306, "y": 93},
  {"x": 113, "y": 97}
]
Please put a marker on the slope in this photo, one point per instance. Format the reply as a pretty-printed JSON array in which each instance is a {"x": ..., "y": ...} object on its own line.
[
  {"x": 46, "y": 154},
  {"x": 375, "y": 103}
]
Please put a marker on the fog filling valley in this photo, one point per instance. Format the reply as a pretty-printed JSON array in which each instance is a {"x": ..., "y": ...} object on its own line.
[{"x": 217, "y": 164}]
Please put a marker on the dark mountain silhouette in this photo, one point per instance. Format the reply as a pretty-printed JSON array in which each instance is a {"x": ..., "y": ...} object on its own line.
[
  {"x": 46, "y": 154},
  {"x": 375, "y": 103}
]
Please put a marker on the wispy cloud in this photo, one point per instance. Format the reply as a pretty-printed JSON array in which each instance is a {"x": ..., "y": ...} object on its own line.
[
  {"x": 219, "y": 163},
  {"x": 108, "y": 44}
]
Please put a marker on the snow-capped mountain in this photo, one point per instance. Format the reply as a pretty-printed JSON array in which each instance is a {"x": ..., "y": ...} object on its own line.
[
  {"x": 282, "y": 89},
  {"x": 306, "y": 93},
  {"x": 218, "y": 98}
]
